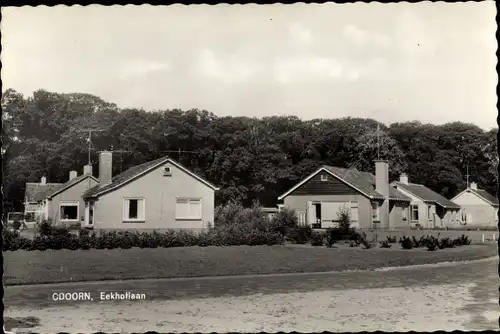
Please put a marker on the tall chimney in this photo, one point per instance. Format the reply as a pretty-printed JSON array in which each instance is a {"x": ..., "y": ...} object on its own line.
[
  {"x": 403, "y": 178},
  {"x": 87, "y": 169},
  {"x": 105, "y": 167},
  {"x": 473, "y": 185},
  {"x": 382, "y": 187},
  {"x": 43, "y": 180},
  {"x": 73, "y": 174}
]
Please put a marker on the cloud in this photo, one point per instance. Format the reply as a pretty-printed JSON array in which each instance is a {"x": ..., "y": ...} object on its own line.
[
  {"x": 232, "y": 68},
  {"x": 306, "y": 67},
  {"x": 361, "y": 37},
  {"x": 139, "y": 67},
  {"x": 300, "y": 34}
]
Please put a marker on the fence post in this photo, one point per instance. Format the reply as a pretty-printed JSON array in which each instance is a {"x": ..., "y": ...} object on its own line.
[
  {"x": 494, "y": 237},
  {"x": 483, "y": 238}
]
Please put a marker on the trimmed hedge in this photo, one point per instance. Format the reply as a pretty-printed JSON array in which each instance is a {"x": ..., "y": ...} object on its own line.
[{"x": 125, "y": 240}]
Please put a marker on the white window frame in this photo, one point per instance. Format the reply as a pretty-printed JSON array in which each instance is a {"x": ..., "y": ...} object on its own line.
[
  {"x": 375, "y": 211},
  {"x": 302, "y": 217},
  {"x": 72, "y": 203},
  {"x": 167, "y": 171},
  {"x": 138, "y": 219},
  {"x": 189, "y": 200},
  {"x": 324, "y": 178},
  {"x": 411, "y": 212}
]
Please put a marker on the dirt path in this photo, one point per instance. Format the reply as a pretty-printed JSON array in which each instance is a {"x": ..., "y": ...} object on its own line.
[
  {"x": 460, "y": 297},
  {"x": 389, "y": 309}
]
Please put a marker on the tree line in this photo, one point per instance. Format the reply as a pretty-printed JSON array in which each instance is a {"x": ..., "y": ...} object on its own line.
[{"x": 249, "y": 158}]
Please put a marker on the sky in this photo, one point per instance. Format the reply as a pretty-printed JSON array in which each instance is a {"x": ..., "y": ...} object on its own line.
[{"x": 431, "y": 62}]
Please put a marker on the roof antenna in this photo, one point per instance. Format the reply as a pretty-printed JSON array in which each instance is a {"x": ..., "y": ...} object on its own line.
[
  {"x": 467, "y": 176},
  {"x": 378, "y": 141}
]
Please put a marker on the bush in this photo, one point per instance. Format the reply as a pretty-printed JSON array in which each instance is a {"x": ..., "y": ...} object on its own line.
[
  {"x": 17, "y": 225},
  {"x": 344, "y": 217},
  {"x": 367, "y": 244},
  {"x": 431, "y": 243},
  {"x": 416, "y": 243},
  {"x": 462, "y": 240},
  {"x": 385, "y": 244},
  {"x": 299, "y": 235},
  {"x": 45, "y": 228},
  {"x": 391, "y": 239},
  {"x": 446, "y": 243},
  {"x": 317, "y": 239},
  {"x": 406, "y": 243},
  {"x": 284, "y": 220},
  {"x": 13, "y": 241}
]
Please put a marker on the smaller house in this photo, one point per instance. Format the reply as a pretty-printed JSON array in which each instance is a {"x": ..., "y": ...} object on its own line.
[
  {"x": 479, "y": 208},
  {"x": 65, "y": 204},
  {"x": 159, "y": 194},
  {"x": 369, "y": 199},
  {"x": 35, "y": 201},
  {"x": 61, "y": 202},
  {"x": 428, "y": 209}
]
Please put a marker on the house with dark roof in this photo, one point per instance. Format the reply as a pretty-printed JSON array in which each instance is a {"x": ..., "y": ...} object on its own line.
[
  {"x": 369, "y": 199},
  {"x": 428, "y": 209},
  {"x": 159, "y": 194},
  {"x": 35, "y": 200},
  {"x": 60, "y": 202},
  {"x": 479, "y": 208}
]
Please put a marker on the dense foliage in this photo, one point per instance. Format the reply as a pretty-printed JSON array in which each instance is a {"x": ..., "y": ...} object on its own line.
[{"x": 250, "y": 159}]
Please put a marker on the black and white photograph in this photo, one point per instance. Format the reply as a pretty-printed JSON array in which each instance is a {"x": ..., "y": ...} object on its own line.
[{"x": 250, "y": 168}]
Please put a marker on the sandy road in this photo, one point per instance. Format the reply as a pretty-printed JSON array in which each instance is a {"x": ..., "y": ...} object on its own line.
[{"x": 461, "y": 297}]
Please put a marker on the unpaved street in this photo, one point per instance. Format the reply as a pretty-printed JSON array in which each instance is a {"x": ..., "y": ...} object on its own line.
[{"x": 467, "y": 301}]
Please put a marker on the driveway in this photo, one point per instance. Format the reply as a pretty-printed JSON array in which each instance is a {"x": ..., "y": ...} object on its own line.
[{"x": 458, "y": 297}]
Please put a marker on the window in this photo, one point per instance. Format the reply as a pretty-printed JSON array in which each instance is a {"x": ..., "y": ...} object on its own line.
[
  {"x": 186, "y": 208},
  {"x": 68, "y": 211},
  {"x": 414, "y": 212},
  {"x": 375, "y": 211},
  {"x": 324, "y": 178},
  {"x": 134, "y": 209},
  {"x": 167, "y": 171}
]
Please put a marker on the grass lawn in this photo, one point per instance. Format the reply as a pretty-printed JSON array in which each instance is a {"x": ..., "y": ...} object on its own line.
[{"x": 32, "y": 267}]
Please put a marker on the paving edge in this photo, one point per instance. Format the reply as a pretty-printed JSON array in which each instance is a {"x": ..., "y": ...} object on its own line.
[{"x": 337, "y": 272}]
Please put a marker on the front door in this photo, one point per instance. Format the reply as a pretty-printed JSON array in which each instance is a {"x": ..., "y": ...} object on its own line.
[{"x": 311, "y": 213}]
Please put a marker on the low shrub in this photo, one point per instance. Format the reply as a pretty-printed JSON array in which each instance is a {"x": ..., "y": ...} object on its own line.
[
  {"x": 462, "y": 240},
  {"x": 406, "y": 243},
  {"x": 317, "y": 239},
  {"x": 432, "y": 244},
  {"x": 283, "y": 220},
  {"x": 367, "y": 244},
  {"x": 354, "y": 243},
  {"x": 416, "y": 243},
  {"x": 299, "y": 235},
  {"x": 390, "y": 239},
  {"x": 385, "y": 244},
  {"x": 12, "y": 241},
  {"x": 446, "y": 243},
  {"x": 17, "y": 225}
]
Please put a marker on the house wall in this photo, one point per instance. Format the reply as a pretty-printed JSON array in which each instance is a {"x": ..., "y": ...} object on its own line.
[
  {"x": 480, "y": 212},
  {"x": 160, "y": 193},
  {"x": 396, "y": 215},
  {"x": 423, "y": 218},
  {"x": 299, "y": 203},
  {"x": 72, "y": 194}
]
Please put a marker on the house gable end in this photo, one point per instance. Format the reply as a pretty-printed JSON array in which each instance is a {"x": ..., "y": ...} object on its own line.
[{"x": 314, "y": 185}]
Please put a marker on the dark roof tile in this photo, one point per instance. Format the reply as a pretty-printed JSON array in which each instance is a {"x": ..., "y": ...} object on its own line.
[{"x": 36, "y": 192}]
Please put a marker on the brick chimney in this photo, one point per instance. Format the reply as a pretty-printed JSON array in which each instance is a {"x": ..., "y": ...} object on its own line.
[
  {"x": 87, "y": 169},
  {"x": 473, "y": 185},
  {"x": 105, "y": 167},
  {"x": 43, "y": 180},
  {"x": 403, "y": 178},
  {"x": 73, "y": 174},
  {"x": 382, "y": 187}
]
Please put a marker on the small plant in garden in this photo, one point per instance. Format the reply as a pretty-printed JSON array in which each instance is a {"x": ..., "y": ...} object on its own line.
[
  {"x": 367, "y": 244},
  {"x": 284, "y": 220},
  {"x": 299, "y": 235},
  {"x": 446, "y": 243},
  {"x": 16, "y": 225},
  {"x": 417, "y": 242},
  {"x": 344, "y": 218},
  {"x": 390, "y": 239},
  {"x": 385, "y": 244},
  {"x": 317, "y": 239},
  {"x": 406, "y": 242},
  {"x": 431, "y": 243},
  {"x": 462, "y": 240}
]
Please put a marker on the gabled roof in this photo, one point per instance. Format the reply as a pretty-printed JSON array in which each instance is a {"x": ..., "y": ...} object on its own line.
[
  {"x": 36, "y": 192},
  {"x": 363, "y": 182},
  {"x": 69, "y": 184},
  {"x": 427, "y": 195},
  {"x": 137, "y": 171},
  {"x": 483, "y": 194}
]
